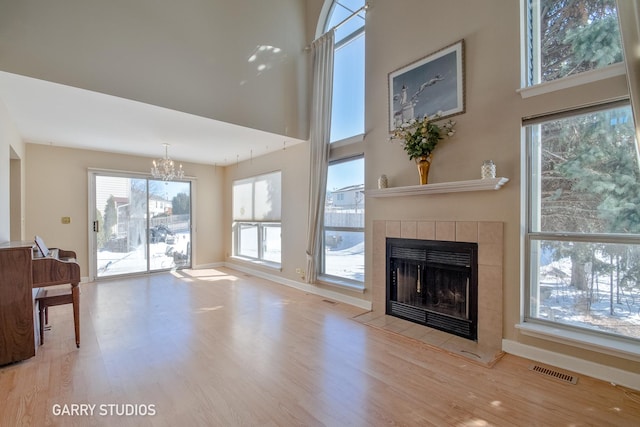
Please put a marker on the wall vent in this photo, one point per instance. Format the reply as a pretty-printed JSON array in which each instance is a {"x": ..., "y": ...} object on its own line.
[{"x": 553, "y": 373}]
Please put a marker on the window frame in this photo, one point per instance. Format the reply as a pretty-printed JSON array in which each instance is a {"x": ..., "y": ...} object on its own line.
[
  {"x": 339, "y": 44},
  {"x": 261, "y": 224},
  {"x": 93, "y": 176},
  {"x": 582, "y": 336},
  {"x": 596, "y": 341},
  {"x": 347, "y": 148},
  {"x": 531, "y": 57},
  {"x": 329, "y": 278}
]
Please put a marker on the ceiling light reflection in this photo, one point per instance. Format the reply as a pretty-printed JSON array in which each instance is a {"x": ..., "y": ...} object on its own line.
[{"x": 266, "y": 56}]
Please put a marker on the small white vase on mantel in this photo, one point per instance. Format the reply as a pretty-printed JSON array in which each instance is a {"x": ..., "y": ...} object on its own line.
[
  {"x": 383, "y": 182},
  {"x": 488, "y": 169}
]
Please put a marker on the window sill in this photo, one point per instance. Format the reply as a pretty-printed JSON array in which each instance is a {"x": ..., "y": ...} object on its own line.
[
  {"x": 268, "y": 264},
  {"x": 612, "y": 346},
  {"x": 443, "y": 187},
  {"x": 337, "y": 282},
  {"x": 573, "y": 81}
]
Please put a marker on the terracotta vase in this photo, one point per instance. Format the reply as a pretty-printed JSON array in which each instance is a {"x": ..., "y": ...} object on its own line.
[{"x": 423, "y": 163}]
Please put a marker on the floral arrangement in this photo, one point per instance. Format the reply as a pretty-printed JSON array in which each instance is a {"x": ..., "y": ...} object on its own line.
[{"x": 420, "y": 137}]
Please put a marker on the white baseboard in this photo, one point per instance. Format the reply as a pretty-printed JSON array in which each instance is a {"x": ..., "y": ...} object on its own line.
[
  {"x": 573, "y": 364},
  {"x": 305, "y": 287}
]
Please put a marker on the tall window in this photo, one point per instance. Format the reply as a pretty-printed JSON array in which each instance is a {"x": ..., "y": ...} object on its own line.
[
  {"x": 584, "y": 222},
  {"x": 256, "y": 217},
  {"x": 343, "y": 241},
  {"x": 342, "y": 255},
  {"x": 567, "y": 37},
  {"x": 347, "y": 111},
  {"x": 583, "y": 180}
]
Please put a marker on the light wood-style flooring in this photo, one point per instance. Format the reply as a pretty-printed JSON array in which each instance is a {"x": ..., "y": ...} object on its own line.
[{"x": 217, "y": 347}]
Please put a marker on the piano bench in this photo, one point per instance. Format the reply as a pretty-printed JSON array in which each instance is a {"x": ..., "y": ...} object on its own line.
[{"x": 49, "y": 297}]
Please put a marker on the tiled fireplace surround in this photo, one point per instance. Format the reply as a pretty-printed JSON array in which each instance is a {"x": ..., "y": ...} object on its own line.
[{"x": 489, "y": 236}]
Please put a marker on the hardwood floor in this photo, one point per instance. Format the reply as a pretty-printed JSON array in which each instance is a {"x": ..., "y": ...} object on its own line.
[{"x": 221, "y": 348}]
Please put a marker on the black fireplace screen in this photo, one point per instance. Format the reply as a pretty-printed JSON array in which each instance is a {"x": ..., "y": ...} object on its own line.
[{"x": 434, "y": 283}]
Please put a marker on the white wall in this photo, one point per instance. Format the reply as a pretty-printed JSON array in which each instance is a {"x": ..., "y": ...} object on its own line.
[
  {"x": 294, "y": 165},
  {"x": 402, "y": 31},
  {"x": 57, "y": 185},
  {"x": 9, "y": 140},
  {"x": 398, "y": 32},
  {"x": 188, "y": 55}
]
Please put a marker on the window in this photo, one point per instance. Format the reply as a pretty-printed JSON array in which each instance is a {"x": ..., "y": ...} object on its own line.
[
  {"x": 343, "y": 237},
  {"x": 256, "y": 217},
  {"x": 567, "y": 37},
  {"x": 347, "y": 110},
  {"x": 140, "y": 224},
  {"x": 341, "y": 260},
  {"x": 583, "y": 232}
]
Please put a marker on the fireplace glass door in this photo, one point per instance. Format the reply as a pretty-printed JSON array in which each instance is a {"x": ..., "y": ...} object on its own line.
[{"x": 433, "y": 283}]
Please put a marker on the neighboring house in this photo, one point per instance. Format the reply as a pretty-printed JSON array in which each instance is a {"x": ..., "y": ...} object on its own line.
[
  {"x": 159, "y": 206},
  {"x": 350, "y": 197},
  {"x": 122, "y": 210}
]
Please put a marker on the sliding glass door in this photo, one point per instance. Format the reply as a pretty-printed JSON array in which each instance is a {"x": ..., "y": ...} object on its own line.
[
  {"x": 139, "y": 224},
  {"x": 169, "y": 224}
]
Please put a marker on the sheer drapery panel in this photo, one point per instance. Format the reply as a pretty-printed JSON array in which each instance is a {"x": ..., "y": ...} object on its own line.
[{"x": 320, "y": 129}]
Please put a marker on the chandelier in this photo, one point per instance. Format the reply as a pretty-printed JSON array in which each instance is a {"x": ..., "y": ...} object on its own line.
[{"x": 165, "y": 169}]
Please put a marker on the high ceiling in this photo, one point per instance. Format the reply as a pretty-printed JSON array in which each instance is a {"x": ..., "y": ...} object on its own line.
[
  {"x": 50, "y": 113},
  {"x": 220, "y": 81}
]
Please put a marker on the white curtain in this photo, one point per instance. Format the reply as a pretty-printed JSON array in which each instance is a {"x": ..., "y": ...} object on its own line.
[{"x": 320, "y": 128}]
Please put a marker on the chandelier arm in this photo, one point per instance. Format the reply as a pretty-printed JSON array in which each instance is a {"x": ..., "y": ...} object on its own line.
[{"x": 165, "y": 168}]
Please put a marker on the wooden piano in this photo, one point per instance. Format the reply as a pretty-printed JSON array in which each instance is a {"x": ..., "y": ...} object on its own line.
[{"x": 23, "y": 268}]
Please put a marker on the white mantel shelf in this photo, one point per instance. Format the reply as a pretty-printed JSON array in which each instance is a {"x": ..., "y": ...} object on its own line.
[{"x": 443, "y": 187}]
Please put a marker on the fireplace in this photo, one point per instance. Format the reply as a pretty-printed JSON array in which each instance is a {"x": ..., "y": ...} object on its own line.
[
  {"x": 434, "y": 283},
  {"x": 489, "y": 236}
]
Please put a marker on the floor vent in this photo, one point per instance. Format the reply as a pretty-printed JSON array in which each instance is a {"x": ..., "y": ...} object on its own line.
[
  {"x": 554, "y": 374},
  {"x": 329, "y": 302}
]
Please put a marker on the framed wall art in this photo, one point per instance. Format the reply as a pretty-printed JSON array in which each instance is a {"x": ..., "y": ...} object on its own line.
[{"x": 428, "y": 86}]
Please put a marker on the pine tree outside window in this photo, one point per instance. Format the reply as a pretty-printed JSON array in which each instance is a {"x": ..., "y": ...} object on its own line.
[
  {"x": 568, "y": 37},
  {"x": 584, "y": 223},
  {"x": 582, "y": 228}
]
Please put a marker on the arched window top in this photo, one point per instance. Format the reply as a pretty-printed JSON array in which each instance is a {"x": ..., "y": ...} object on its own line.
[
  {"x": 347, "y": 105},
  {"x": 340, "y": 10}
]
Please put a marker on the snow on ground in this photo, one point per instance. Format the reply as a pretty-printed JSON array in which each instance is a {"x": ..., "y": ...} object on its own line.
[
  {"x": 161, "y": 256},
  {"x": 347, "y": 263},
  {"x": 561, "y": 302}
]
